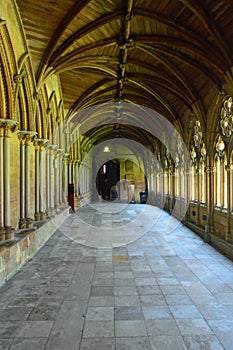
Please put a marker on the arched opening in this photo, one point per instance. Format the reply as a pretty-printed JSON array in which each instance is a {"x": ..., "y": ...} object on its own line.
[{"x": 107, "y": 180}]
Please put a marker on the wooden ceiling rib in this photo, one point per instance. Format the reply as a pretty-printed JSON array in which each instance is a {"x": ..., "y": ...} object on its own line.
[{"x": 165, "y": 54}]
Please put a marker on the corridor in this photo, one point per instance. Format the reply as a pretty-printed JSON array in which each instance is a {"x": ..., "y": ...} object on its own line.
[{"x": 164, "y": 290}]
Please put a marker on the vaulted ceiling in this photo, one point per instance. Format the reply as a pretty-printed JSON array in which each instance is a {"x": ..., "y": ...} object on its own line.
[{"x": 172, "y": 56}]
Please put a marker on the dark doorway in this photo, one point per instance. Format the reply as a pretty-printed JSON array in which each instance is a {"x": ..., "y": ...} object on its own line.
[{"x": 107, "y": 179}]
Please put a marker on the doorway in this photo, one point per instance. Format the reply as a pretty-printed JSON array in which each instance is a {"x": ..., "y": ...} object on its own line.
[{"x": 107, "y": 180}]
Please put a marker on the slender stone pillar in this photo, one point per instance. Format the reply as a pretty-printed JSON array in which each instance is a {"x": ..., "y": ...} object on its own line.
[
  {"x": 2, "y": 230},
  {"x": 57, "y": 177},
  {"x": 7, "y": 216},
  {"x": 73, "y": 171},
  {"x": 187, "y": 191},
  {"x": 88, "y": 179},
  {"x": 7, "y": 127},
  {"x": 76, "y": 176},
  {"x": 70, "y": 171},
  {"x": 29, "y": 137},
  {"x": 180, "y": 174},
  {"x": 172, "y": 181},
  {"x": 37, "y": 180},
  {"x": 40, "y": 178},
  {"x": 22, "y": 220},
  {"x": 51, "y": 152},
  {"x": 198, "y": 174},
  {"x": 65, "y": 178},
  {"x": 48, "y": 183},
  {"x": 210, "y": 169},
  {"x": 162, "y": 198},
  {"x": 42, "y": 206},
  {"x": 60, "y": 153},
  {"x": 84, "y": 178},
  {"x": 229, "y": 168},
  {"x": 81, "y": 179}
]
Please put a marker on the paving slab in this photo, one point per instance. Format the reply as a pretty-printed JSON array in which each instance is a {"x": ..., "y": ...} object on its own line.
[{"x": 165, "y": 291}]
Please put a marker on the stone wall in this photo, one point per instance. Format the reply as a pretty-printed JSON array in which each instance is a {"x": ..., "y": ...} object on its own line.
[{"x": 27, "y": 242}]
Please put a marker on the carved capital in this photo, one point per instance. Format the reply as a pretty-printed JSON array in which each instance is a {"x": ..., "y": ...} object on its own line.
[
  {"x": 7, "y": 127},
  {"x": 40, "y": 143},
  {"x": 66, "y": 158},
  {"x": 51, "y": 148},
  {"x": 26, "y": 137},
  {"x": 60, "y": 152}
]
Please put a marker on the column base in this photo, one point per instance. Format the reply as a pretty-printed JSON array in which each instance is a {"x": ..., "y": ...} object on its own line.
[
  {"x": 29, "y": 222},
  {"x": 64, "y": 204},
  {"x": 37, "y": 216},
  {"x": 51, "y": 211},
  {"x": 22, "y": 223},
  {"x": 209, "y": 228},
  {"x": 42, "y": 216},
  {"x": 2, "y": 234},
  {"x": 207, "y": 235},
  {"x": 10, "y": 233}
]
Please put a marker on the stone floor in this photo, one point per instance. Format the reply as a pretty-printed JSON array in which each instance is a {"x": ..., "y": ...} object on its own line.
[{"x": 166, "y": 290}]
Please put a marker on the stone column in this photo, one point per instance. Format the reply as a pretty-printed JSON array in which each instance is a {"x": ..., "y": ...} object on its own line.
[
  {"x": 22, "y": 220},
  {"x": 84, "y": 178},
  {"x": 172, "y": 182},
  {"x": 70, "y": 171},
  {"x": 60, "y": 153},
  {"x": 229, "y": 168},
  {"x": 88, "y": 179},
  {"x": 210, "y": 169},
  {"x": 65, "y": 164},
  {"x": 7, "y": 127},
  {"x": 187, "y": 191},
  {"x": 2, "y": 230},
  {"x": 37, "y": 180},
  {"x": 56, "y": 178},
  {"x": 180, "y": 174},
  {"x": 48, "y": 184},
  {"x": 51, "y": 177},
  {"x": 95, "y": 196},
  {"x": 76, "y": 176},
  {"x": 198, "y": 192},
  {"x": 40, "y": 206},
  {"x": 43, "y": 143},
  {"x": 29, "y": 137},
  {"x": 73, "y": 172}
]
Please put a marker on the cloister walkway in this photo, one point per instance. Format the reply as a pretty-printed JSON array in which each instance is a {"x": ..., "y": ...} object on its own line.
[{"x": 120, "y": 277}]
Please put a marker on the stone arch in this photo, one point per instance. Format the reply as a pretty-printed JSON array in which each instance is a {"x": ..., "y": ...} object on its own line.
[{"x": 8, "y": 76}]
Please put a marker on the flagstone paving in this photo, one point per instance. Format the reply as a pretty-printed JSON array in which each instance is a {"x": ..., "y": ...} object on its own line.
[{"x": 166, "y": 290}]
